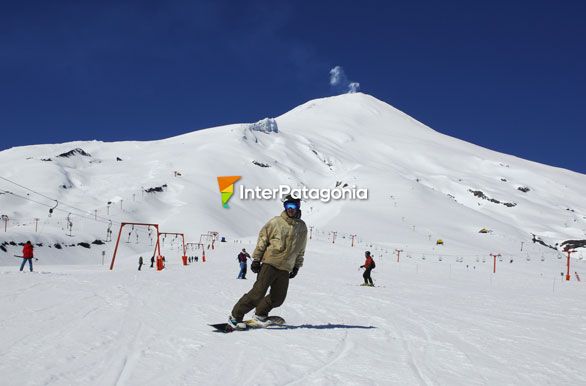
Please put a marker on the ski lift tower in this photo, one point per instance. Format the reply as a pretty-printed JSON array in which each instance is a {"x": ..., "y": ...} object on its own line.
[
  {"x": 156, "y": 252},
  {"x": 184, "y": 256}
]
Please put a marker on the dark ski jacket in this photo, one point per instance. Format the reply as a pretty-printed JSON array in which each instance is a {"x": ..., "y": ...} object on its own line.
[{"x": 243, "y": 256}]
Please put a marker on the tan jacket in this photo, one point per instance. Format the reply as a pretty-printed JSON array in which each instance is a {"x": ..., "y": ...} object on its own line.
[{"x": 281, "y": 242}]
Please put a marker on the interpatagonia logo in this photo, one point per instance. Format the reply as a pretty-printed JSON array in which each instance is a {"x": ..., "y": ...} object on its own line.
[
  {"x": 304, "y": 193},
  {"x": 226, "y": 184}
]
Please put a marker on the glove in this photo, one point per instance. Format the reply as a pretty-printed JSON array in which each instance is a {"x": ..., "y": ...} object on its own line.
[
  {"x": 362, "y": 266},
  {"x": 293, "y": 273},
  {"x": 255, "y": 266}
]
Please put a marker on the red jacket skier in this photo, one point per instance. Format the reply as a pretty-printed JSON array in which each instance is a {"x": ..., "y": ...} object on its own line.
[
  {"x": 27, "y": 255},
  {"x": 368, "y": 266},
  {"x": 368, "y": 262}
]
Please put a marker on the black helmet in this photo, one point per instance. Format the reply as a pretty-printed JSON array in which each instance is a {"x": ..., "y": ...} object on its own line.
[{"x": 367, "y": 253}]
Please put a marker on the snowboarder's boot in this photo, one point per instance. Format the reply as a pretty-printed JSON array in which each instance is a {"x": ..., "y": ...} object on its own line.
[
  {"x": 236, "y": 324},
  {"x": 261, "y": 320}
]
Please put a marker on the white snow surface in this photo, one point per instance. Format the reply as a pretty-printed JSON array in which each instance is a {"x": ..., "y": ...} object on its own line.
[{"x": 439, "y": 315}]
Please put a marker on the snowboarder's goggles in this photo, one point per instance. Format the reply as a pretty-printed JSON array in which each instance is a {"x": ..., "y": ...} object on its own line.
[{"x": 291, "y": 205}]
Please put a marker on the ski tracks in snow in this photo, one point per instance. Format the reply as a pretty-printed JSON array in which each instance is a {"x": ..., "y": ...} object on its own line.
[{"x": 341, "y": 351}]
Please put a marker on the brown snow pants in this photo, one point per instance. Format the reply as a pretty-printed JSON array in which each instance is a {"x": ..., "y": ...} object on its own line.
[{"x": 269, "y": 276}]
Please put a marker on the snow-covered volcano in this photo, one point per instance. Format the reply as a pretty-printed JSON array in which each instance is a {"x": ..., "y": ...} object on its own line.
[
  {"x": 423, "y": 185},
  {"x": 440, "y": 315}
]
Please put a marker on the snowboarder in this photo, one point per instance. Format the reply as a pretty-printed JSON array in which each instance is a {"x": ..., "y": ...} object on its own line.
[
  {"x": 368, "y": 266},
  {"x": 27, "y": 255},
  {"x": 280, "y": 248},
  {"x": 242, "y": 259},
  {"x": 140, "y": 262}
]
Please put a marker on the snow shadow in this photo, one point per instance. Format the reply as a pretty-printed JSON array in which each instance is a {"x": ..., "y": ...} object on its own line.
[{"x": 328, "y": 326}]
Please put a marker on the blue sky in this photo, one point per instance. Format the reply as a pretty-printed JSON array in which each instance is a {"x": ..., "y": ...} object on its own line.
[{"x": 506, "y": 75}]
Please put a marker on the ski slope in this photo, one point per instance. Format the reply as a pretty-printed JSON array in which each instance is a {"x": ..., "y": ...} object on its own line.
[
  {"x": 421, "y": 183},
  {"x": 438, "y": 316},
  {"x": 426, "y": 322}
]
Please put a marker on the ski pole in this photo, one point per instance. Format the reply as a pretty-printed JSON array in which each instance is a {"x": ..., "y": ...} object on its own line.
[{"x": 22, "y": 257}]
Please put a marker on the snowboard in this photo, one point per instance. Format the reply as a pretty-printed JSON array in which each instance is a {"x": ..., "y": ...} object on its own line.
[{"x": 251, "y": 324}]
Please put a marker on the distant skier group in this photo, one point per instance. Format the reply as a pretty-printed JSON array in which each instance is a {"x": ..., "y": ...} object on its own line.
[
  {"x": 368, "y": 266},
  {"x": 191, "y": 259}
]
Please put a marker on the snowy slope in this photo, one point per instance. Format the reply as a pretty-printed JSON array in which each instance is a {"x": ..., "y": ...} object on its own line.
[
  {"x": 419, "y": 181},
  {"x": 427, "y": 322},
  {"x": 439, "y": 316}
]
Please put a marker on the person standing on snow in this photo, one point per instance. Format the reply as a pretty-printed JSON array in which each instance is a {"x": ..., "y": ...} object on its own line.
[
  {"x": 242, "y": 256},
  {"x": 140, "y": 262},
  {"x": 368, "y": 266},
  {"x": 27, "y": 255},
  {"x": 280, "y": 248}
]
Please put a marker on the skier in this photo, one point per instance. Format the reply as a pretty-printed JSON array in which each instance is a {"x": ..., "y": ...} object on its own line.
[
  {"x": 242, "y": 256},
  {"x": 280, "y": 248},
  {"x": 368, "y": 266},
  {"x": 140, "y": 262},
  {"x": 27, "y": 255},
  {"x": 152, "y": 261}
]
